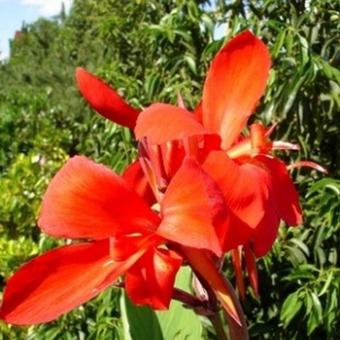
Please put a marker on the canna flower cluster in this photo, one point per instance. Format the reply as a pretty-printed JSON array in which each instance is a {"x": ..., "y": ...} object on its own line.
[{"x": 199, "y": 189}]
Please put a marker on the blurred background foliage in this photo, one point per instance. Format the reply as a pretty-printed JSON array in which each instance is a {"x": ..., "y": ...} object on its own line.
[{"x": 149, "y": 51}]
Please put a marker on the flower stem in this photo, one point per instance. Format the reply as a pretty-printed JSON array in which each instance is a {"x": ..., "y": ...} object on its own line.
[
  {"x": 218, "y": 326},
  {"x": 189, "y": 300}
]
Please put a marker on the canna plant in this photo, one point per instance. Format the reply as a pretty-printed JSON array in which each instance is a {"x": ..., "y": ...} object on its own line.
[{"x": 200, "y": 188}]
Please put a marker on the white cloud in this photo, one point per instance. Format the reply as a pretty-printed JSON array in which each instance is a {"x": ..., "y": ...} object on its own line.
[{"x": 47, "y": 7}]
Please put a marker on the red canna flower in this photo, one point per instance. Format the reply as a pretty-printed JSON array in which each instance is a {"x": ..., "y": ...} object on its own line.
[
  {"x": 212, "y": 134},
  {"x": 251, "y": 179},
  {"x": 118, "y": 234}
]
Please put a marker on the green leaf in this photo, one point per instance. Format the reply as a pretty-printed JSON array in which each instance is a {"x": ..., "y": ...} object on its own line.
[
  {"x": 140, "y": 323},
  {"x": 191, "y": 63},
  {"x": 330, "y": 183},
  {"x": 301, "y": 245},
  {"x": 326, "y": 285},
  {"x": 314, "y": 310},
  {"x": 312, "y": 323},
  {"x": 303, "y": 272},
  {"x": 317, "y": 307},
  {"x": 278, "y": 44},
  {"x": 290, "y": 307}
]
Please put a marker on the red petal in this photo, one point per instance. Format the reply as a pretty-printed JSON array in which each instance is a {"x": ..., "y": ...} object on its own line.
[
  {"x": 237, "y": 263},
  {"x": 208, "y": 143},
  {"x": 125, "y": 246},
  {"x": 202, "y": 263},
  {"x": 198, "y": 112},
  {"x": 233, "y": 232},
  {"x": 161, "y": 123},
  {"x": 235, "y": 82},
  {"x": 244, "y": 186},
  {"x": 59, "y": 281},
  {"x": 151, "y": 280},
  {"x": 173, "y": 154},
  {"x": 251, "y": 269},
  {"x": 105, "y": 100},
  {"x": 88, "y": 200},
  {"x": 135, "y": 178},
  {"x": 191, "y": 206},
  {"x": 286, "y": 198},
  {"x": 266, "y": 232}
]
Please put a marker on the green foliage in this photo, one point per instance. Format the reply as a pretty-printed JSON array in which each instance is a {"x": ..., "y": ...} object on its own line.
[{"x": 149, "y": 51}]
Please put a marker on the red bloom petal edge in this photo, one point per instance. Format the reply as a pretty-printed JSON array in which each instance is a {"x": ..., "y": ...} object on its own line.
[
  {"x": 88, "y": 200},
  {"x": 161, "y": 123},
  {"x": 58, "y": 281},
  {"x": 151, "y": 280},
  {"x": 105, "y": 100},
  {"x": 235, "y": 82},
  {"x": 136, "y": 179},
  {"x": 191, "y": 206},
  {"x": 285, "y": 196}
]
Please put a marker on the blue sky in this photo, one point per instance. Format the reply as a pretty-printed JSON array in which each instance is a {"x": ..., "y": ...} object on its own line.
[{"x": 14, "y": 12}]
